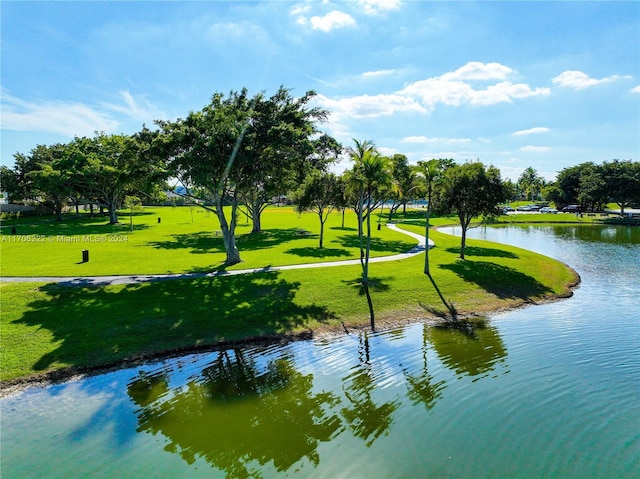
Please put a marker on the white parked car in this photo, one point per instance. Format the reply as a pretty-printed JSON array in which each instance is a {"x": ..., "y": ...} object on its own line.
[{"x": 547, "y": 209}]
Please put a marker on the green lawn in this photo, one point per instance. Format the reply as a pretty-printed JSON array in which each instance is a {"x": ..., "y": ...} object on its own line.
[
  {"x": 48, "y": 327},
  {"x": 184, "y": 241}
]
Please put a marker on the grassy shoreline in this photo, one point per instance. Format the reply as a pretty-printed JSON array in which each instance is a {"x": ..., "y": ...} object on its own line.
[{"x": 51, "y": 332}]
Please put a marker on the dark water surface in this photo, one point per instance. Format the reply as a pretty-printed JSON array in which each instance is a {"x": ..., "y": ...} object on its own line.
[{"x": 546, "y": 391}]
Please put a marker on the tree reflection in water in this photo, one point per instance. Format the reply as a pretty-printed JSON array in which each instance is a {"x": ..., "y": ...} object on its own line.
[
  {"x": 423, "y": 387},
  {"x": 467, "y": 347},
  {"x": 239, "y": 417},
  {"x": 247, "y": 413},
  {"x": 365, "y": 417}
]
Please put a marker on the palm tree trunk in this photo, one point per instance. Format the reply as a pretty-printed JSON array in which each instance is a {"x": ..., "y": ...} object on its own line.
[
  {"x": 426, "y": 240},
  {"x": 365, "y": 271}
]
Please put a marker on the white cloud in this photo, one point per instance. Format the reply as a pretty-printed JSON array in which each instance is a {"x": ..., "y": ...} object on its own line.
[
  {"x": 636, "y": 89},
  {"x": 331, "y": 21},
  {"x": 369, "y": 106},
  {"x": 143, "y": 113},
  {"x": 424, "y": 95},
  {"x": 536, "y": 149},
  {"x": 300, "y": 9},
  {"x": 378, "y": 73},
  {"x": 450, "y": 90},
  {"x": 64, "y": 118},
  {"x": 385, "y": 151},
  {"x": 505, "y": 92},
  {"x": 579, "y": 80},
  {"x": 531, "y": 131},
  {"x": 424, "y": 139},
  {"x": 375, "y": 7},
  {"x": 479, "y": 71}
]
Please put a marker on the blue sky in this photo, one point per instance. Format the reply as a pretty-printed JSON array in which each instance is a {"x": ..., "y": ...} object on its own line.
[{"x": 513, "y": 84}]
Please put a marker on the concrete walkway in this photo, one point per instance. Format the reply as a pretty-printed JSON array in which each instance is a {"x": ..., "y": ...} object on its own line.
[{"x": 145, "y": 278}]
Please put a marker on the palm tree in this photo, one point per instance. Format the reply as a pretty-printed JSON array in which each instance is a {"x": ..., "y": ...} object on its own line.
[
  {"x": 432, "y": 171},
  {"x": 368, "y": 180}
]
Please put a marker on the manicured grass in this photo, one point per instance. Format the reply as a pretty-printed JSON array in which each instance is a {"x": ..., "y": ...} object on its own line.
[
  {"x": 184, "y": 241},
  {"x": 47, "y": 327}
]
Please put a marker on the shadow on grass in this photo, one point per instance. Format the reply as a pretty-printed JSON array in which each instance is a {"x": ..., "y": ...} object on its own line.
[
  {"x": 377, "y": 244},
  {"x": 483, "y": 252},
  {"x": 343, "y": 228},
  {"x": 375, "y": 284},
  {"x": 312, "y": 252},
  {"x": 502, "y": 281},
  {"x": 451, "y": 311},
  {"x": 206, "y": 242},
  {"x": 97, "y": 326},
  {"x": 199, "y": 243},
  {"x": 77, "y": 228}
]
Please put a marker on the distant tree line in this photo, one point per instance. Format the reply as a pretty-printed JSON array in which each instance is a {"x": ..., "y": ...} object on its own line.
[
  {"x": 593, "y": 186},
  {"x": 588, "y": 185}
]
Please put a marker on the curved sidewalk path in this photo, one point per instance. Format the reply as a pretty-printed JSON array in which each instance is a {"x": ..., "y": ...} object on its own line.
[{"x": 145, "y": 278}]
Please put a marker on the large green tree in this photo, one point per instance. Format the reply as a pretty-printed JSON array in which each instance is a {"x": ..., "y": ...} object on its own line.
[
  {"x": 320, "y": 193},
  {"x": 106, "y": 167},
  {"x": 209, "y": 160},
  {"x": 623, "y": 182},
  {"x": 593, "y": 192},
  {"x": 566, "y": 189},
  {"x": 242, "y": 150},
  {"x": 51, "y": 177},
  {"x": 280, "y": 146},
  {"x": 470, "y": 190},
  {"x": 42, "y": 177}
]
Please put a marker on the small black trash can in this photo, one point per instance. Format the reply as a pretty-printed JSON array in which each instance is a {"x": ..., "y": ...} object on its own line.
[{"x": 85, "y": 255}]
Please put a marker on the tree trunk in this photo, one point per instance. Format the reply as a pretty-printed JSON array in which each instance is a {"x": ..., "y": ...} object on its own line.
[
  {"x": 360, "y": 232},
  {"x": 113, "y": 211},
  {"x": 621, "y": 205},
  {"x": 426, "y": 241},
  {"x": 321, "y": 229},
  {"x": 370, "y": 302},
  {"x": 229, "y": 239},
  {"x": 463, "y": 242},
  {"x": 255, "y": 212},
  {"x": 257, "y": 224},
  {"x": 228, "y": 231},
  {"x": 365, "y": 270},
  {"x": 343, "y": 210}
]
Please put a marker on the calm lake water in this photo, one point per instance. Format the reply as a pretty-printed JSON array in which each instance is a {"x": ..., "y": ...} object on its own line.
[{"x": 546, "y": 391}]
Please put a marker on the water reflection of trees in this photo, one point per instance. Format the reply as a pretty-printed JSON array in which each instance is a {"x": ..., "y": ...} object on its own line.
[
  {"x": 366, "y": 418},
  {"x": 422, "y": 385},
  {"x": 239, "y": 417},
  {"x": 245, "y": 413},
  {"x": 467, "y": 347}
]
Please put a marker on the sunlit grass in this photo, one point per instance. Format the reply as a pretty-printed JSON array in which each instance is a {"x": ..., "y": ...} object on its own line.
[
  {"x": 185, "y": 240},
  {"x": 49, "y": 327}
]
